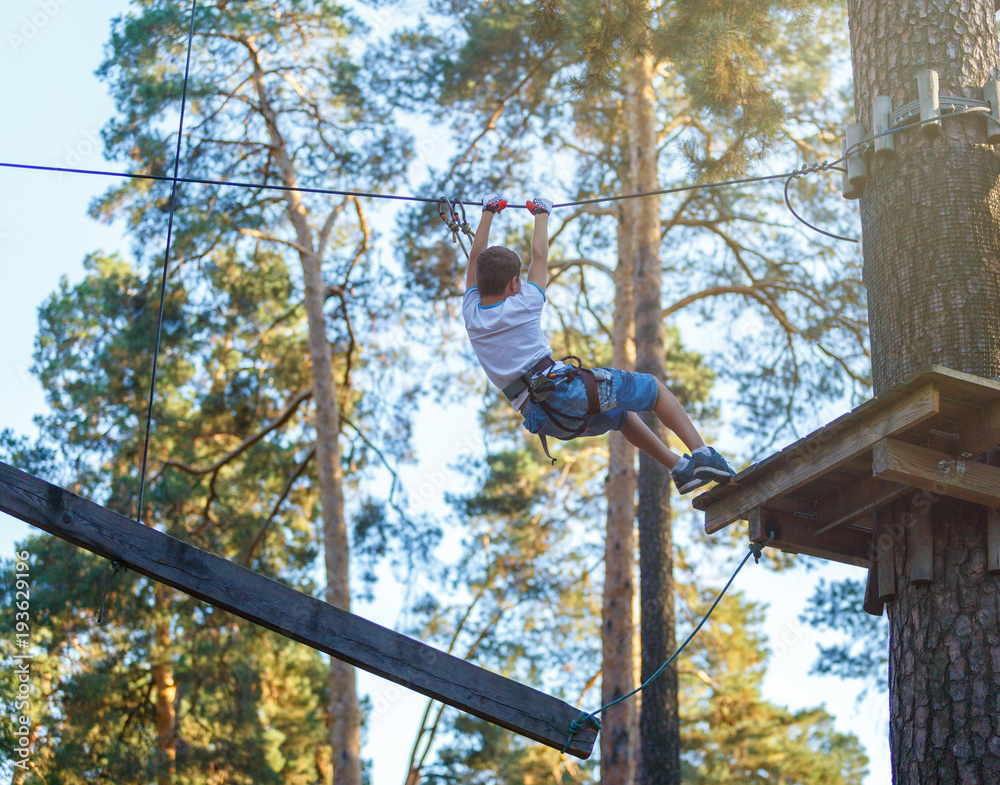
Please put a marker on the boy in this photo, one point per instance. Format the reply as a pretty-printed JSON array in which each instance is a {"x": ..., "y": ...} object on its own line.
[{"x": 503, "y": 320}]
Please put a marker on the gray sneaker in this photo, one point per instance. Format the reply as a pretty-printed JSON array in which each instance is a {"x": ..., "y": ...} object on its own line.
[
  {"x": 685, "y": 478},
  {"x": 711, "y": 467}
]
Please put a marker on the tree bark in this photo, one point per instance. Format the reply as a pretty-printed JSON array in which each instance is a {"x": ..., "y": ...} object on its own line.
[
  {"x": 166, "y": 692},
  {"x": 932, "y": 267},
  {"x": 344, "y": 712},
  {"x": 619, "y": 725},
  {"x": 659, "y": 724}
]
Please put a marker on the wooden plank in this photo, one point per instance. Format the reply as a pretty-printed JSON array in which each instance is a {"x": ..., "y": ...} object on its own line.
[
  {"x": 938, "y": 472},
  {"x": 993, "y": 539},
  {"x": 886, "y": 551},
  {"x": 824, "y": 451},
  {"x": 858, "y": 500},
  {"x": 797, "y": 535},
  {"x": 982, "y": 432},
  {"x": 920, "y": 548},
  {"x": 293, "y": 614},
  {"x": 872, "y": 605}
]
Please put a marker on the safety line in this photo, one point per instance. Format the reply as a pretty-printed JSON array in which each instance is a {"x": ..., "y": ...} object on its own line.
[
  {"x": 374, "y": 195},
  {"x": 810, "y": 168},
  {"x": 166, "y": 260},
  {"x": 576, "y": 725}
]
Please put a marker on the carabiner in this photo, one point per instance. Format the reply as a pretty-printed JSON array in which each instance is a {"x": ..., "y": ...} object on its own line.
[{"x": 463, "y": 223}]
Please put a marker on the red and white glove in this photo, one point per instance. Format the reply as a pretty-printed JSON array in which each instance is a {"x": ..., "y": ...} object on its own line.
[
  {"x": 539, "y": 206},
  {"x": 494, "y": 204}
]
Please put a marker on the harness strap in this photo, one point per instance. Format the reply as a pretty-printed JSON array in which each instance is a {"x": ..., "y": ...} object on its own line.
[
  {"x": 520, "y": 384},
  {"x": 590, "y": 384}
]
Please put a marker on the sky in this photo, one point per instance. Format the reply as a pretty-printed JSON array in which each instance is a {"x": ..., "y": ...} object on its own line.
[{"x": 54, "y": 108}]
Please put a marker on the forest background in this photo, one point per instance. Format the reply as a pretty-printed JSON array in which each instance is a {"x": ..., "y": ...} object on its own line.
[{"x": 59, "y": 107}]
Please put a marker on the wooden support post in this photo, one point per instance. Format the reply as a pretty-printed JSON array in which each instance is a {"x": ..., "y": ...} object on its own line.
[
  {"x": 885, "y": 146},
  {"x": 857, "y": 167},
  {"x": 293, "y": 614},
  {"x": 937, "y": 472},
  {"x": 993, "y": 539},
  {"x": 920, "y": 547},
  {"x": 930, "y": 109},
  {"x": 872, "y": 605},
  {"x": 991, "y": 94},
  {"x": 885, "y": 550},
  {"x": 848, "y": 190},
  {"x": 757, "y": 525}
]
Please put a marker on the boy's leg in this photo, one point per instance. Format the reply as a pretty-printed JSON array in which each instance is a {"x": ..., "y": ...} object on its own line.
[
  {"x": 670, "y": 412},
  {"x": 639, "y": 435}
]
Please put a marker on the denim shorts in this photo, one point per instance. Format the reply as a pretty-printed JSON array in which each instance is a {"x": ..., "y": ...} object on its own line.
[{"x": 620, "y": 392}]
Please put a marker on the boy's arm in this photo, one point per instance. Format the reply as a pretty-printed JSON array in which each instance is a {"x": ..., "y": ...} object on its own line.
[
  {"x": 538, "y": 269},
  {"x": 491, "y": 206}
]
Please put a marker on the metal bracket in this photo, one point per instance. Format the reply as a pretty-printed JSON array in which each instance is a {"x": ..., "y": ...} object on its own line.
[{"x": 945, "y": 466}]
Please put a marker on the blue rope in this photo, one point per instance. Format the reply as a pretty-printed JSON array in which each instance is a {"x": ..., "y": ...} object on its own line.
[{"x": 591, "y": 719}]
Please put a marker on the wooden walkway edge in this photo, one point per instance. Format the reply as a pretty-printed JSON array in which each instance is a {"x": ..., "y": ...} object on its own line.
[{"x": 291, "y": 613}]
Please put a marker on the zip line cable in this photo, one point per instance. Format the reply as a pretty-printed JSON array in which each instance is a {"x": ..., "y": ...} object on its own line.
[
  {"x": 787, "y": 176},
  {"x": 166, "y": 260},
  {"x": 576, "y": 725}
]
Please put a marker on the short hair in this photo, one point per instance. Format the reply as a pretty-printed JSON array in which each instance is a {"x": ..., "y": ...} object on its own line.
[{"x": 494, "y": 268}]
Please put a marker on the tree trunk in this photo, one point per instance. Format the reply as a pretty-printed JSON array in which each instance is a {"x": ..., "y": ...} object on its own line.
[
  {"x": 932, "y": 267},
  {"x": 944, "y": 660},
  {"x": 619, "y": 726},
  {"x": 659, "y": 724},
  {"x": 345, "y": 724},
  {"x": 166, "y": 692},
  {"x": 931, "y": 244}
]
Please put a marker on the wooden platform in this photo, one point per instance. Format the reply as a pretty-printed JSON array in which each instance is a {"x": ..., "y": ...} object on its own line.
[{"x": 819, "y": 495}]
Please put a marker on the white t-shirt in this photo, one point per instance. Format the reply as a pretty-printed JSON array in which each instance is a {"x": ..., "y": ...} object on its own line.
[{"x": 507, "y": 336}]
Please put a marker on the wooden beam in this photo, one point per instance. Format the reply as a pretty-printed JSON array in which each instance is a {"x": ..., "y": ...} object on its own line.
[
  {"x": 992, "y": 539},
  {"x": 293, "y": 614},
  {"x": 920, "y": 548},
  {"x": 822, "y": 453},
  {"x": 981, "y": 433},
  {"x": 797, "y": 535},
  {"x": 938, "y": 472},
  {"x": 858, "y": 500}
]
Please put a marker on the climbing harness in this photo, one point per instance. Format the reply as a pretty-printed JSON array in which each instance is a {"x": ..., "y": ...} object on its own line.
[
  {"x": 591, "y": 719},
  {"x": 540, "y": 380}
]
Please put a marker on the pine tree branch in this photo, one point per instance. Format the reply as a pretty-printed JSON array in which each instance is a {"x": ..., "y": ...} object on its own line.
[
  {"x": 259, "y": 535},
  {"x": 272, "y": 239},
  {"x": 501, "y": 106},
  {"x": 246, "y": 444}
]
